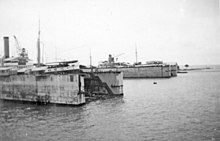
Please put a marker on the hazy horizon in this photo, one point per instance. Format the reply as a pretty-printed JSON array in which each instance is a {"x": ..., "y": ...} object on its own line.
[{"x": 182, "y": 31}]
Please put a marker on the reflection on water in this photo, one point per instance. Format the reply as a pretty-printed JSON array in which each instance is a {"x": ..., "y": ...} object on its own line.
[{"x": 186, "y": 107}]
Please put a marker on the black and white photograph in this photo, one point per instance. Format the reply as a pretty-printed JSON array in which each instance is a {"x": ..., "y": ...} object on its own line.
[{"x": 109, "y": 70}]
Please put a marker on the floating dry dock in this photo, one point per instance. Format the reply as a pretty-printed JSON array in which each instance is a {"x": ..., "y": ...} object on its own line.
[
  {"x": 60, "y": 85},
  {"x": 58, "y": 82}
]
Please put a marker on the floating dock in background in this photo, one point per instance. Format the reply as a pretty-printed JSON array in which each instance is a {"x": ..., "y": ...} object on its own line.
[
  {"x": 152, "y": 69},
  {"x": 158, "y": 71}
]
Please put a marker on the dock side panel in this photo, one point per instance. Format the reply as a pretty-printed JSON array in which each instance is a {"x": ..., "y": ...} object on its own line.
[
  {"x": 114, "y": 81},
  {"x": 60, "y": 89}
]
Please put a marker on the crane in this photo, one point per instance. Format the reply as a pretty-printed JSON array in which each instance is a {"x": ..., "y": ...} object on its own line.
[
  {"x": 116, "y": 56},
  {"x": 17, "y": 46}
]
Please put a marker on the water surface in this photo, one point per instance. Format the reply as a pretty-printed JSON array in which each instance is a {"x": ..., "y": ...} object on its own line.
[{"x": 186, "y": 107}]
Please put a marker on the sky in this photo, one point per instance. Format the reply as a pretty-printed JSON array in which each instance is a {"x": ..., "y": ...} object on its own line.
[{"x": 182, "y": 31}]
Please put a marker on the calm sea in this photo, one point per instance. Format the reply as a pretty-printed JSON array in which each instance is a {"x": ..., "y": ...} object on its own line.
[{"x": 185, "y": 108}]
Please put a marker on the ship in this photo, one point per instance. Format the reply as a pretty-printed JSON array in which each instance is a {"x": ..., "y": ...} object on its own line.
[
  {"x": 62, "y": 82},
  {"x": 151, "y": 69}
]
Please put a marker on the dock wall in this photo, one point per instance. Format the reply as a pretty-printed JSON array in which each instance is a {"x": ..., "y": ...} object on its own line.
[{"x": 60, "y": 89}]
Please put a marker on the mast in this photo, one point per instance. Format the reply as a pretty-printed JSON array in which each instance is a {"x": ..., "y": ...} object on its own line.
[
  {"x": 136, "y": 53},
  {"x": 38, "y": 45},
  {"x": 90, "y": 58}
]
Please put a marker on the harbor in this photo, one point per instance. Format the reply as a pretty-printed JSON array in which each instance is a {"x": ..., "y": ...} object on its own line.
[
  {"x": 69, "y": 88},
  {"x": 100, "y": 70},
  {"x": 69, "y": 82}
]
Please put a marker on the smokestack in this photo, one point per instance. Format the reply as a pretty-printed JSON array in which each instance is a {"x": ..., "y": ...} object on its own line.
[{"x": 6, "y": 45}]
